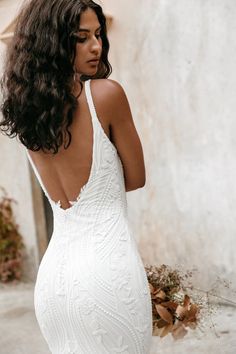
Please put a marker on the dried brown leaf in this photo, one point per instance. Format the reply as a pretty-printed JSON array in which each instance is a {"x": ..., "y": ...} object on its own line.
[
  {"x": 156, "y": 331},
  {"x": 167, "y": 329},
  {"x": 151, "y": 288},
  {"x": 164, "y": 313},
  {"x": 193, "y": 312},
  {"x": 179, "y": 331},
  {"x": 192, "y": 325},
  {"x": 186, "y": 300},
  {"x": 170, "y": 305},
  {"x": 161, "y": 323},
  {"x": 181, "y": 312},
  {"x": 160, "y": 295}
]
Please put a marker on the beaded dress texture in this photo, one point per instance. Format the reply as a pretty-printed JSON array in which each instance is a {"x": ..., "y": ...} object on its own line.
[{"x": 91, "y": 294}]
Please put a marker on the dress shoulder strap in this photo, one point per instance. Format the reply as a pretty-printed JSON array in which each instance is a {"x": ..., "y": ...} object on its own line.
[{"x": 90, "y": 100}]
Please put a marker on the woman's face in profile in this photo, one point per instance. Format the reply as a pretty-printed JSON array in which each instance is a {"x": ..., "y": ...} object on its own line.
[{"x": 89, "y": 44}]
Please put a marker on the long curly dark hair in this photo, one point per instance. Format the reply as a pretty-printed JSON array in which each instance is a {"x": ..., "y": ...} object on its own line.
[{"x": 38, "y": 104}]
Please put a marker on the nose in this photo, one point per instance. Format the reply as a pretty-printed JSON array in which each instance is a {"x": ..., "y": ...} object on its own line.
[{"x": 96, "y": 46}]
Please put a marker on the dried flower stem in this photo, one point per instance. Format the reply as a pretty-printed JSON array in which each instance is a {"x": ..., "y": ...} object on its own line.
[{"x": 212, "y": 294}]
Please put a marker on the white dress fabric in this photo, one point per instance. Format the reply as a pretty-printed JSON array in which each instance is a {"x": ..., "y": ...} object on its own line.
[{"x": 91, "y": 294}]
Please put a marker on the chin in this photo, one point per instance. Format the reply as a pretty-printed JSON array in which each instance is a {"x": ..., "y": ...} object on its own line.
[
  {"x": 89, "y": 73},
  {"x": 92, "y": 72}
]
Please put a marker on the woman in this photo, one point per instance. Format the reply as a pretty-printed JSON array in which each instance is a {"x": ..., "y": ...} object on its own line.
[{"x": 91, "y": 294}]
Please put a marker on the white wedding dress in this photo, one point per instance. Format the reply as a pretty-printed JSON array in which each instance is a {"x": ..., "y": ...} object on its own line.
[{"x": 91, "y": 294}]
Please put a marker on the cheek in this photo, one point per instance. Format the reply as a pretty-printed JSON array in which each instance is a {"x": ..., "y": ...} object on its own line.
[
  {"x": 80, "y": 54},
  {"x": 79, "y": 50}
]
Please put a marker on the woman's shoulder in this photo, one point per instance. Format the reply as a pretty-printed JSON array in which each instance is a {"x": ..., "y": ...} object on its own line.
[
  {"x": 108, "y": 90},
  {"x": 108, "y": 84}
]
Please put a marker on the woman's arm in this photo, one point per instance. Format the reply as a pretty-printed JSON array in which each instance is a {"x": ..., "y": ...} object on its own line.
[{"x": 123, "y": 133}]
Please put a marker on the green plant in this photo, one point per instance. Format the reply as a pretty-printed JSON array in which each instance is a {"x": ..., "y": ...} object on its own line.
[{"x": 11, "y": 242}]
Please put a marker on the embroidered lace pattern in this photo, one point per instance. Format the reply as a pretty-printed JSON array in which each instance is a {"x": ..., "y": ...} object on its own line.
[{"x": 91, "y": 294}]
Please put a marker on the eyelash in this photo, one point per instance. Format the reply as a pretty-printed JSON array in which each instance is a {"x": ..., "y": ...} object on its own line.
[{"x": 82, "y": 40}]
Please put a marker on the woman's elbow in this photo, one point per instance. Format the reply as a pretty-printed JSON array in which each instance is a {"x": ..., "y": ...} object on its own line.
[{"x": 135, "y": 185}]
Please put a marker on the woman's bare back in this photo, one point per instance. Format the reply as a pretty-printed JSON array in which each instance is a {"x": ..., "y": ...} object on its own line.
[{"x": 65, "y": 173}]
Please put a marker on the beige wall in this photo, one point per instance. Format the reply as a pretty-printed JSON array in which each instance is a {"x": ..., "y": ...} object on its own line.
[
  {"x": 15, "y": 173},
  {"x": 176, "y": 61}
]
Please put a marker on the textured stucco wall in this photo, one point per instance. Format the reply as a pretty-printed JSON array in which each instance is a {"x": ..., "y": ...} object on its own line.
[
  {"x": 15, "y": 173},
  {"x": 176, "y": 61}
]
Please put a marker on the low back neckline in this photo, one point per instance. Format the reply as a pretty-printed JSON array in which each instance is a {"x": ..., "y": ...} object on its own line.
[{"x": 94, "y": 119}]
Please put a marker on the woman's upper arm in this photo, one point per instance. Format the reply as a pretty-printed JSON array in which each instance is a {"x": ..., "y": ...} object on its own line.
[{"x": 125, "y": 137}]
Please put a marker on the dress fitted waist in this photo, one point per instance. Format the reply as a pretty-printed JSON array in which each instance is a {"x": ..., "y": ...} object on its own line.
[{"x": 83, "y": 221}]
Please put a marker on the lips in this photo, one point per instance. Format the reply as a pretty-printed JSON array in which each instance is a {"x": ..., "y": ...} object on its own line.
[{"x": 95, "y": 60}]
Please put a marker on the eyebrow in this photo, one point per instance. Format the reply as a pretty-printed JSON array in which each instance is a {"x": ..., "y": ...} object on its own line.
[{"x": 87, "y": 30}]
